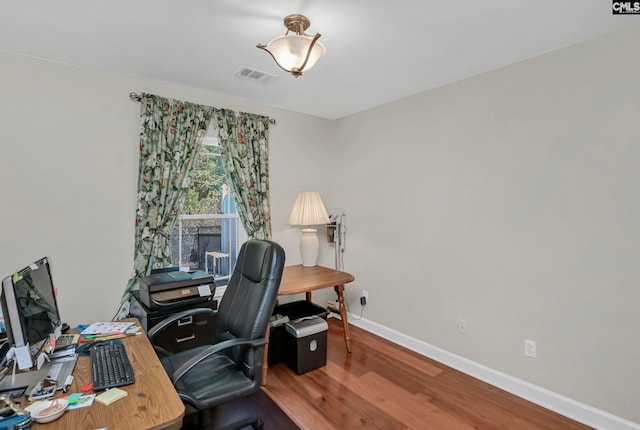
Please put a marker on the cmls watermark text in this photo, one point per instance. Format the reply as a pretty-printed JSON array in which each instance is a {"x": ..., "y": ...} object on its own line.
[{"x": 625, "y": 7}]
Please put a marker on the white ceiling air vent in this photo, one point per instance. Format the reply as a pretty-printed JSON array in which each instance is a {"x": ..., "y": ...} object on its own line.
[{"x": 254, "y": 75}]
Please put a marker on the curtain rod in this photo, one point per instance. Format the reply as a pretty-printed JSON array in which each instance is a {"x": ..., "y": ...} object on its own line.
[{"x": 136, "y": 98}]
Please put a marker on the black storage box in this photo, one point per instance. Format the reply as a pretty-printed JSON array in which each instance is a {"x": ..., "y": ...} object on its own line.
[
  {"x": 277, "y": 340},
  {"x": 278, "y": 335},
  {"x": 306, "y": 344}
]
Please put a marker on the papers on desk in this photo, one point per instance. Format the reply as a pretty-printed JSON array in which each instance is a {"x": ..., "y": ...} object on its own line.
[
  {"x": 111, "y": 396},
  {"x": 107, "y": 327}
]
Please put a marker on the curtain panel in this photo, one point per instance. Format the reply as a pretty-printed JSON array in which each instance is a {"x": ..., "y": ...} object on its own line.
[
  {"x": 244, "y": 139},
  {"x": 171, "y": 133}
]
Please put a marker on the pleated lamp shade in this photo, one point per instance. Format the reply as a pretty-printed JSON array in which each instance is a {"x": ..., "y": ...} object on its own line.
[{"x": 309, "y": 210}]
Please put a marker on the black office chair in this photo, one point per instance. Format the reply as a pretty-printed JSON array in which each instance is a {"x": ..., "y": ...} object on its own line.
[{"x": 209, "y": 375}]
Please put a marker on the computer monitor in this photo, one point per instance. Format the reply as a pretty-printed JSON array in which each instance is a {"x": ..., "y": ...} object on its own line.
[
  {"x": 29, "y": 306},
  {"x": 4, "y": 342},
  {"x": 3, "y": 329}
]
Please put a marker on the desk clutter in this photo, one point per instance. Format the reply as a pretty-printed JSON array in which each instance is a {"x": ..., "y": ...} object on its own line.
[
  {"x": 111, "y": 396},
  {"x": 109, "y": 363},
  {"x": 46, "y": 411},
  {"x": 106, "y": 330},
  {"x": 46, "y": 372}
]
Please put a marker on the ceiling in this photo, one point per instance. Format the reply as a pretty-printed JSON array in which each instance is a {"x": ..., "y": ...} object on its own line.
[{"x": 377, "y": 50}]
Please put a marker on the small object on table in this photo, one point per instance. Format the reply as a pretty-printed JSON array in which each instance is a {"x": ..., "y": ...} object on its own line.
[
  {"x": 110, "y": 396},
  {"x": 47, "y": 411},
  {"x": 107, "y": 327},
  {"x": 87, "y": 388},
  {"x": 73, "y": 398},
  {"x": 83, "y": 401}
]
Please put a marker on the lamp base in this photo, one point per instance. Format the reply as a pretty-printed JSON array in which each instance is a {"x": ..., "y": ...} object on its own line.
[{"x": 309, "y": 246}]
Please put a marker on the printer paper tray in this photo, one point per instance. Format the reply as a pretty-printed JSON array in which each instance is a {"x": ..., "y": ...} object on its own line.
[{"x": 168, "y": 304}]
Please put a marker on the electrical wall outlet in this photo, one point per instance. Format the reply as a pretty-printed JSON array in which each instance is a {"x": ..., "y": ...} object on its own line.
[
  {"x": 364, "y": 298},
  {"x": 462, "y": 326},
  {"x": 530, "y": 348}
]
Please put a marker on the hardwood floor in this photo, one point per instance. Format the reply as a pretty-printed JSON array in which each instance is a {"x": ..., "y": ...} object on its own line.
[{"x": 383, "y": 386}]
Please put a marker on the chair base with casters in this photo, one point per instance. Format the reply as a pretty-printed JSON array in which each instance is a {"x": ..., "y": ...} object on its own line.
[
  {"x": 211, "y": 375},
  {"x": 219, "y": 418}
]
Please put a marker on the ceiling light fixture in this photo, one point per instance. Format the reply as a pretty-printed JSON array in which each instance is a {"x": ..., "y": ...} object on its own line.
[{"x": 295, "y": 53}]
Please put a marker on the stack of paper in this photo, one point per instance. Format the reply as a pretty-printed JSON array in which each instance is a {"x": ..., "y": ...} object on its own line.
[
  {"x": 111, "y": 396},
  {"x": 107, "y": 328}
]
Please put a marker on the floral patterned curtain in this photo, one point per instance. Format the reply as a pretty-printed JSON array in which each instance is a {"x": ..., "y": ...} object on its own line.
[
  {"x": 244, "y": 139},
  {"x": 171, "y": 132}
]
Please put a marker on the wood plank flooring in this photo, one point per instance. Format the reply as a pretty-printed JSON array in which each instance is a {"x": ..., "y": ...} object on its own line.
[{"x": 383, "y": 386}]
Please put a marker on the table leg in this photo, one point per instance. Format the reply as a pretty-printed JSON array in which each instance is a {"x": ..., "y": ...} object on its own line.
[
  {"x": 308, "y": 296},
  {"x": 343, "y": 314}
]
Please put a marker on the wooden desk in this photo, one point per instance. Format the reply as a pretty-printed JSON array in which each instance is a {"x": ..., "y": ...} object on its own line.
[
  {"x": 152, "y": 402},
  {"x": 299, "y": 279}
]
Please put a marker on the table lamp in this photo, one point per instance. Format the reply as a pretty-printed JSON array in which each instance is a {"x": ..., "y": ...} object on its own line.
[{"x": 308, "y": 210}]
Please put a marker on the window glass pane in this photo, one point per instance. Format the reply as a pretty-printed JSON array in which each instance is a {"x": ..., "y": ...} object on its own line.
[{"x": 208, "y": 232}]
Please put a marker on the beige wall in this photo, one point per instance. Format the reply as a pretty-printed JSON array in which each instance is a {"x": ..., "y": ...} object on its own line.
[
  {"x": 509, "y": 200},
  {"x": 68, "y": 174}
]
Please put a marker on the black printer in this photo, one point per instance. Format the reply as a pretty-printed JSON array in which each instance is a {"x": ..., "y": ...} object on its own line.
[{"x": 168, "y": 290}]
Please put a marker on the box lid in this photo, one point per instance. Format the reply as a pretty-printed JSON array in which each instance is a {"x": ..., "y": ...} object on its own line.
[
  {"x": 174, "y": 280},
  {"x": 306, "y": 326}
]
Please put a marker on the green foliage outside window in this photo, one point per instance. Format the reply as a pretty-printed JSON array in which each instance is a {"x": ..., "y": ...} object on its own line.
[{"x": 204, "y": 195}]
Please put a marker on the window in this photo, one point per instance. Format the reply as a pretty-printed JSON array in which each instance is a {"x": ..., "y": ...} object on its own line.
[{"x": 208, "y": 233}]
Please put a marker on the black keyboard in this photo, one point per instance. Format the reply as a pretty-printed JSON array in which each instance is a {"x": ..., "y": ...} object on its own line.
[{"x": 110, "y": 366}]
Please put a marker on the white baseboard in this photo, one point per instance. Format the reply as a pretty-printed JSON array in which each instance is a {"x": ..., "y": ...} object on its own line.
[{"x": 570, "y": 408}]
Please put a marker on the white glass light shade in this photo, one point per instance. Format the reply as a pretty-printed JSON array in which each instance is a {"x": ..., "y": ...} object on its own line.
[
  {"x": 290, "y": 51},
  {"x": 308, "y": 210}
]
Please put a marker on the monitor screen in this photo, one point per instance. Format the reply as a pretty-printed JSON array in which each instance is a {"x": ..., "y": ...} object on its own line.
[
  {"x": 31, "y": 305},
  {"x": 3, "y": 329}
]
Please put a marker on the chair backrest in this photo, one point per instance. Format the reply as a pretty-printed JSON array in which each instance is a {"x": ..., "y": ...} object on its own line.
[{"x": 250, "y": 296}]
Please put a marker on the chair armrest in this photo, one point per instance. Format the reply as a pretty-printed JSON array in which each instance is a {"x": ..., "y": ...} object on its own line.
[
  {"x": 182, "y": 370},
  {"x": 172, "y": 319}
]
